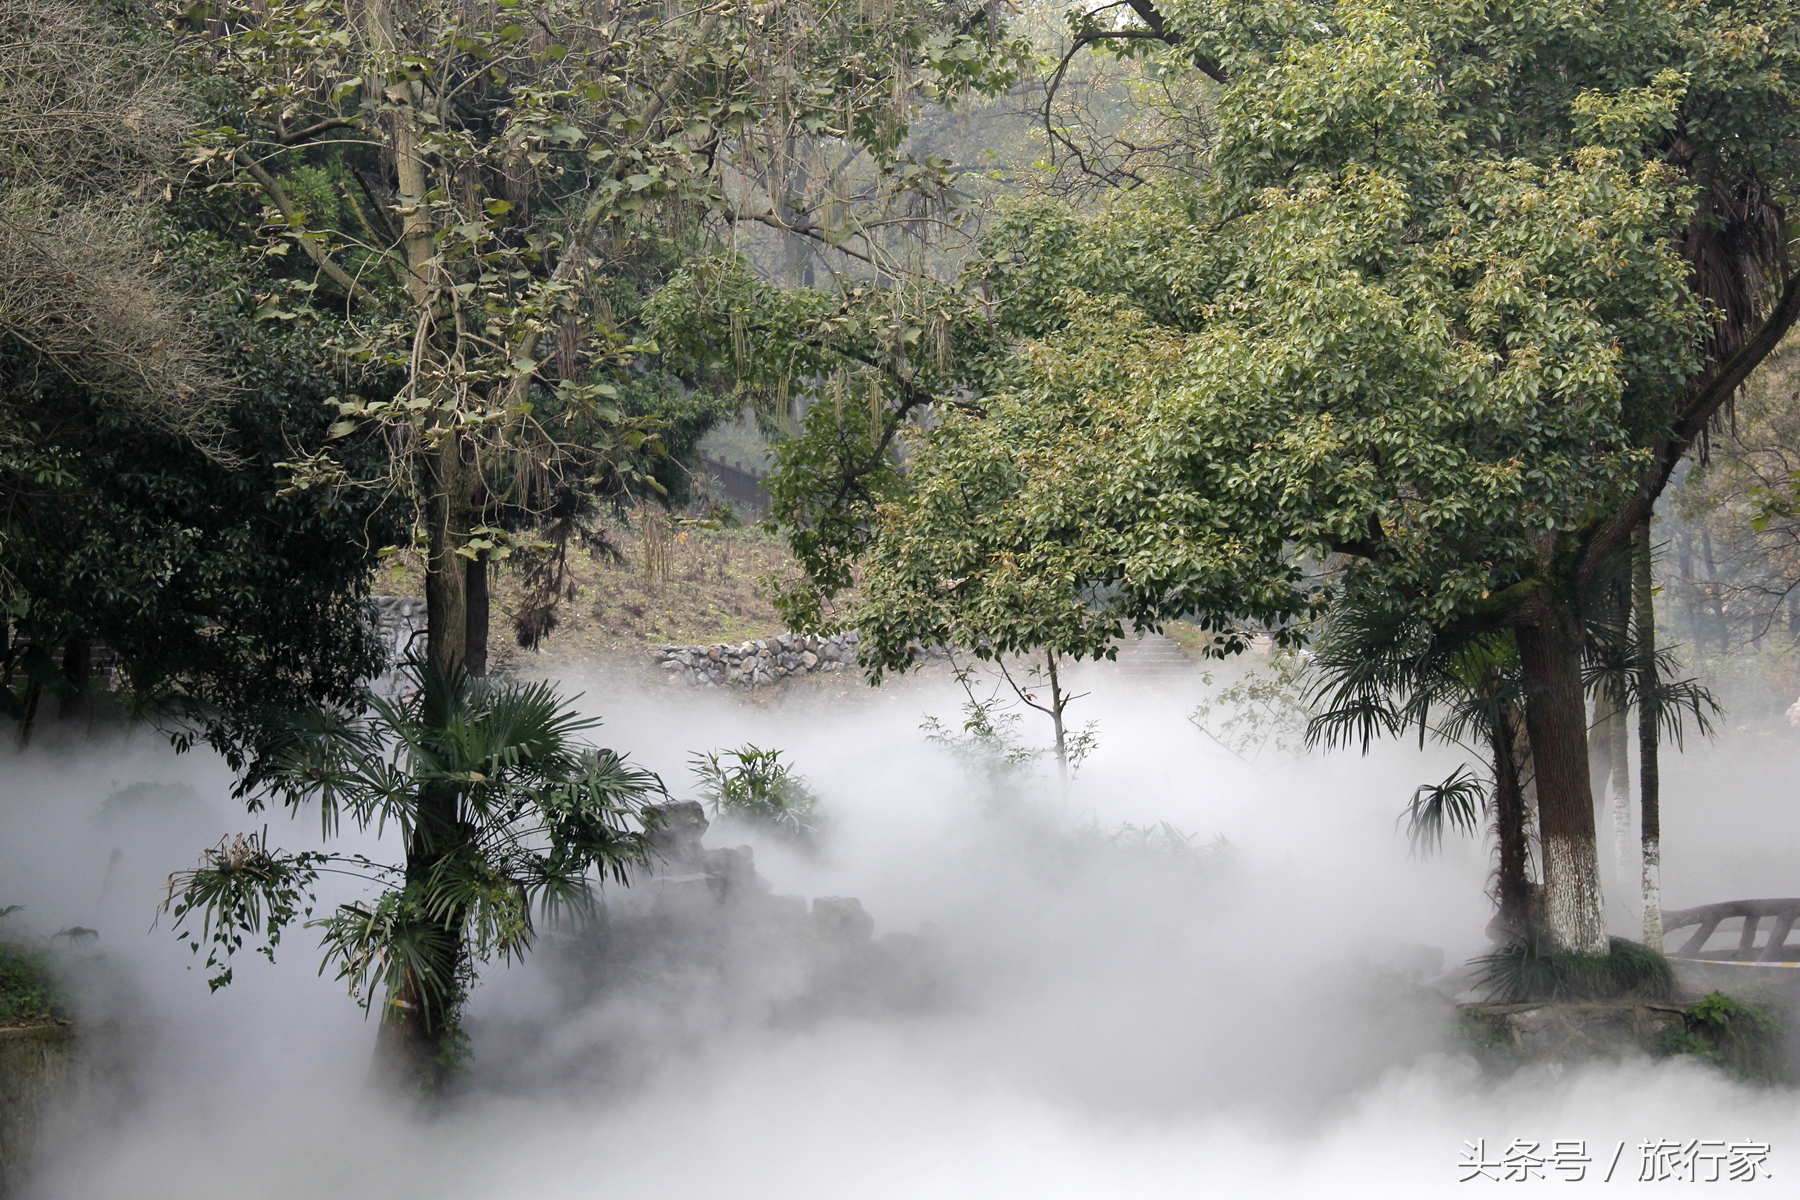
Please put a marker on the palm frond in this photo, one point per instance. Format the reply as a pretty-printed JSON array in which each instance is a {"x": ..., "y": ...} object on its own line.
[{"x": 1459, "y": 802}]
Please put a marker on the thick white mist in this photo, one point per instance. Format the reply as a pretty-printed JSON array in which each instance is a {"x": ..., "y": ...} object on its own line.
[{"x": 1109, "y": 1024}]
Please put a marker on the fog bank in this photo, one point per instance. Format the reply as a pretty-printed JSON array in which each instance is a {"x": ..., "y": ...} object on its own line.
[{"x": 1106, "y": 1019}]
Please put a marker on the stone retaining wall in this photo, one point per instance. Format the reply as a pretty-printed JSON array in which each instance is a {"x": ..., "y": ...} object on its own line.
[
  {"x": 35, "y": 1062},
  {"x": 754, "y": 664}
]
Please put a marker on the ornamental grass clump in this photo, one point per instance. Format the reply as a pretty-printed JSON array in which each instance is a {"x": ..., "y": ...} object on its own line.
[{"x": 1530, "y": 970}]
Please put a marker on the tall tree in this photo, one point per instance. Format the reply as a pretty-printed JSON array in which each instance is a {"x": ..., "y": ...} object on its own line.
[
  {"x": 453, "y": 183},
  {"x": 1457, "y": 294},
  {"x": 1459, "y": 290},
  {"x": 487, "y": 157},
  {"x": 143, "y": 411},
  {"x": 1643, "y": 606},
  {"x": 502, "y": 809}
]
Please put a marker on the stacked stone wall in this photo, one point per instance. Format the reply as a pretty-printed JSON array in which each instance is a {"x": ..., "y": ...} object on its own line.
[{"x": 757, "y": 663}]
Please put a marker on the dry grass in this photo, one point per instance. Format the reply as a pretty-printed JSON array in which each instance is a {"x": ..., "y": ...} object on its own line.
[
  {"x": 710, "y": 591},
  {"x": 90, "y": 121}
]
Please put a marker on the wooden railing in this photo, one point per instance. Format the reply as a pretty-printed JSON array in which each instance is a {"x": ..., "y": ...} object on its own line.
[{"x": 1753, "y": 912}]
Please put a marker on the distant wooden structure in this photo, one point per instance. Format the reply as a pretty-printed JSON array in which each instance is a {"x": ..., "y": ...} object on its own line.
[
  {"x": 740, "y": 486},
  {"x": 1752, "y": 913}
]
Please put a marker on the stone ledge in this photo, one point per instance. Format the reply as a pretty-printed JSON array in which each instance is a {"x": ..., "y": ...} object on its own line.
[{"x": 1562, "y": 1032}]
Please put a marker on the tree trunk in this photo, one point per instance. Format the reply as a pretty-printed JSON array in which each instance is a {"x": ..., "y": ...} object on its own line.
[
  {"x": 1556, "y": 720},
  {"x": 1600, "y": 744},
  {"x": 1620, "y": 735},
  {"x": 77, "y": 669},
  {"x": 28, "y": 707},
  {"x": 1512, "y": 884},
  {"x": 416, "y": 1043},
  {"x": 1650, "y": 814},
  {"x": 419, "y": 1016},
  {"x": 475, "y": 654},
  {"x": 1689, "y": 589},
  {"x": 446, "y": 571},
  {"x": 1715, "y": 593}
]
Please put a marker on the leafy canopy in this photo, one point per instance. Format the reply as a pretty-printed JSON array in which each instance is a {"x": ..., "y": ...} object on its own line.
[{"x": 1421, "y": 323}]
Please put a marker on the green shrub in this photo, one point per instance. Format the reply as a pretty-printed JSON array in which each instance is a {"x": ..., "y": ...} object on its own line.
[
  {"x": 28, "y": 992},
  {"x": 1724, "y": 1030},
  {"x": 756, "y": 786}
]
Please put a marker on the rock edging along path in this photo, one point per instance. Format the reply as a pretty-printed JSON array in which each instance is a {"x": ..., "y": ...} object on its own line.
[{"x": 759, "y": 662}]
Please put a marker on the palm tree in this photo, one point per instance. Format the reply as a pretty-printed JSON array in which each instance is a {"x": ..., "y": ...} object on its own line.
[
  {"x": 1380, "y": 672},
  {"x": 502, "y": 811}
]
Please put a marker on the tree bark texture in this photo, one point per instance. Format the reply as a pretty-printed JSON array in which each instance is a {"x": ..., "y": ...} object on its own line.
[
  {"x": 475, "y": 654},
  {"x": 1556, "y": 720},
  {"x": 1619, "y": 732},
  {"x": 1649, "y": 782},
  {"x": 1512, "y": 883},
  {"x": 446, "y": 571}
]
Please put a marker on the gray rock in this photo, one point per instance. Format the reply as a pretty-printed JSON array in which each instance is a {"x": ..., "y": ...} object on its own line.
[
  {"x": 841, "y": 918},
  {"x": 674, "y": 833},
  {"x": 733, "y": 872}
]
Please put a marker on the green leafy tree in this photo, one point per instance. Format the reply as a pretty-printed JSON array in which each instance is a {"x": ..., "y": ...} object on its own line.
[
  {"x": 1456, "y": 293},
  {"x": 503, "y": 811},
  {"x": 451, "y": 186},
  {"x": 486, "y": 161},
  {"x": 143, "y": 412}
]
